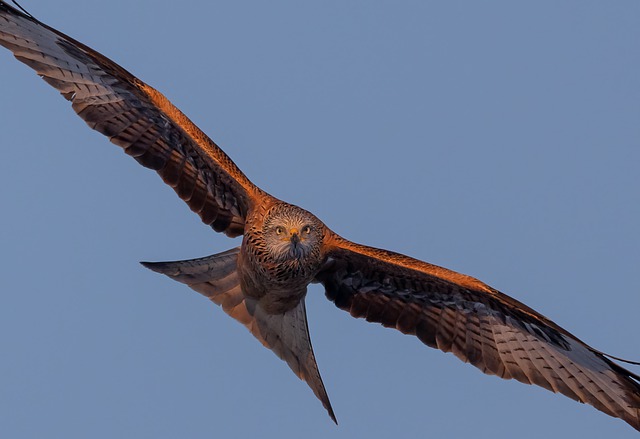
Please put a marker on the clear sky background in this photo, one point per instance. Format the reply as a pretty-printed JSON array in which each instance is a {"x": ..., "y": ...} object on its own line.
[{"x": 497, "y": 138}]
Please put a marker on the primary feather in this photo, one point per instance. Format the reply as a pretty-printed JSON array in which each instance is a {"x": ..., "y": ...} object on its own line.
[{"x": 263, "y": 283}]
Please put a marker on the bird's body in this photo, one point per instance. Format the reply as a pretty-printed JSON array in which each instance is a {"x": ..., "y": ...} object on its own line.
[
  {"x": 279, "y": 256},
  {"x": 263, "y": 283}
]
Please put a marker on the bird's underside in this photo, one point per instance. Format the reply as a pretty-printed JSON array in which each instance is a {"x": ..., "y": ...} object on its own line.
[{"x": 262, "y": 283}]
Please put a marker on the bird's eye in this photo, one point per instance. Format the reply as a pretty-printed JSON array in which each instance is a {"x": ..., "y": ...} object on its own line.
[
  {"x": 306, "y": 230},
  {"x": 279, "y": 230}
]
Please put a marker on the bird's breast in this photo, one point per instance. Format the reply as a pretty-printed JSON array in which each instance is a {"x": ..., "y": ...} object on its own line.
[{"x": 279, "y": 286}]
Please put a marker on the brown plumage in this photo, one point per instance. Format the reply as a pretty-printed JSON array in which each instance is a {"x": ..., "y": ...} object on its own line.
[{"x": 263, "y": 283}]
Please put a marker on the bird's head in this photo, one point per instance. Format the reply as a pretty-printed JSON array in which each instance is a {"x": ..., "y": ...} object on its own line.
[{"x": 292, "y": 233}]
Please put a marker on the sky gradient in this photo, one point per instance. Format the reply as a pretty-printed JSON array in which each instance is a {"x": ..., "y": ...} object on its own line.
[{"x": 499, "y": 139}]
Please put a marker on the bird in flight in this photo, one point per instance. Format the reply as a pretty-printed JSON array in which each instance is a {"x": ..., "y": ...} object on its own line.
[{"x": 263, "y": 282}]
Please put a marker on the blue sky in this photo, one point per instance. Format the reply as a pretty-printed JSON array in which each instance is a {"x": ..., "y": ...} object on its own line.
[{"x": 499, "y": 139}]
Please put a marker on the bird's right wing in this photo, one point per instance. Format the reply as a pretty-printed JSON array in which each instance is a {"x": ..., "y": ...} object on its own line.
[
  {"x": 135, "y": 117},
  {"x": 494, "y": 332}
]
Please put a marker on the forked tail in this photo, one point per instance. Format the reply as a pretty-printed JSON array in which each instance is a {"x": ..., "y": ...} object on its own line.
[{"x": 287, "y": 335}]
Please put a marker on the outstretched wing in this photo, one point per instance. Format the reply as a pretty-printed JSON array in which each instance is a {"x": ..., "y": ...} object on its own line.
[
  {"x": 457, "y": 313},
  {"x": 135, "y": 117},
  {"x": 287, "y": 335}
]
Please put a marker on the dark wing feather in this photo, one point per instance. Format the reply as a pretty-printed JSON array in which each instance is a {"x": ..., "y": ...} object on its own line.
[
  {"x": 457, "y": 313},
  {"x": 135, "y": 117}
]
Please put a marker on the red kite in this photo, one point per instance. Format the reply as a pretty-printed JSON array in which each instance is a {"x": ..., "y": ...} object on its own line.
[{"x": 263, "y": 283}]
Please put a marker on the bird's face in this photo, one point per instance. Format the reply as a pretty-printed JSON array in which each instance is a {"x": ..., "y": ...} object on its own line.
[{"x": 292, "y": 233}]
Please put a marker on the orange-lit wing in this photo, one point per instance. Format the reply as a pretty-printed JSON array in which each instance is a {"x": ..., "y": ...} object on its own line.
[
  {"x": 135, "y": 117},
  {"x": 457, "y": 313}
]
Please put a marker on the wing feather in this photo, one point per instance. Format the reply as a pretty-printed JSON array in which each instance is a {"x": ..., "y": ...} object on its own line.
[
  {"x": 494, "y": 332},
  {"x": 135, "y": 117}
]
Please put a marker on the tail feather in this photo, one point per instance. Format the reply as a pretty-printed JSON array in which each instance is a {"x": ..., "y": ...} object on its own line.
[
  {"x": 198, "y": 270},
  {"x": 213, "y": 276},
  {"x": 287, "y": 335}
]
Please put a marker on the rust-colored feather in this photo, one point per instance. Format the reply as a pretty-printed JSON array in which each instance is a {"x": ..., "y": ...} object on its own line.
[
  {"x": 494, "y": 332},
  {"x": 444, "y": 309},
  {"x": 137, "y": 118}
]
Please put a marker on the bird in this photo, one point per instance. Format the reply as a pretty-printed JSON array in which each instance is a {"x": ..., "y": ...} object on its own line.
[{"x": 263, "y": 282}]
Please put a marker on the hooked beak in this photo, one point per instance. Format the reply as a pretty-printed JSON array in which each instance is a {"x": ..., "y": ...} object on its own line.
[{"x": 294, "y": 237}]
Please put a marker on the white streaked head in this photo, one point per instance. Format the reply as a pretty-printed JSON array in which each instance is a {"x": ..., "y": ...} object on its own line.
[{"x": 290, "y": 232}]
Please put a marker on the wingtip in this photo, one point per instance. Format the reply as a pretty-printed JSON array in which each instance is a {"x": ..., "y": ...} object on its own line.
[
  {"x": 327, "y": 405},
  {"x": 20, "y": 10},
  {"x": 332, "y": 415},
  {"x": 153, "y": 266},
  {"x": 635, "y": 363}
]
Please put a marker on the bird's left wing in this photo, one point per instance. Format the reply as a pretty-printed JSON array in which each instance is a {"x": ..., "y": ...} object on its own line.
[
  {"x": 494, "y": 332},
  {"x": 135, "y": 117}
]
